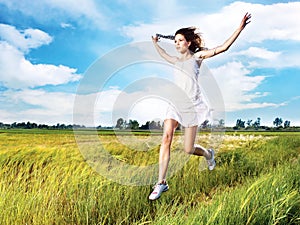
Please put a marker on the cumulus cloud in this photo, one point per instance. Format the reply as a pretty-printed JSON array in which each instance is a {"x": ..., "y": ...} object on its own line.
[
  {"x": 92, "y": 109},
  {"x": 263, "y": 58},
  {"x": 17, "y": 71},
  {"x": 54, "y": 10},
  {"x": 106, "y": 106},
  {"x": 217, "y": 26},
  {"x": 260, "y": 53},
  {"x": 238, "y": 87},
  {"x": 24, "y": 39},
  {"x": 45, "y": 107}
]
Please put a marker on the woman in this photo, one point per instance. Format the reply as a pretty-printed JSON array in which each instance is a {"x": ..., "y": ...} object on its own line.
[{"x": 189, "y": 45}]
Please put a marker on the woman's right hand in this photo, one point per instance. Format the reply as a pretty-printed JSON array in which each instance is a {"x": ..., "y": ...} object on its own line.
[{"x": 155, "y": 39}]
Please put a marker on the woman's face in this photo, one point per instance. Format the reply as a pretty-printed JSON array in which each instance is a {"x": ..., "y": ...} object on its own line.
[{"x": 181, "y": 44}]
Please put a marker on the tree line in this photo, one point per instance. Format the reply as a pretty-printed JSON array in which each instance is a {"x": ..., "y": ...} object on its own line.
[
  {"x": 29, "y": 125},
  {"x": 134, "y": 125},
  {"x": 250, "y": 124},
  {"x": 123, "y": 124}
]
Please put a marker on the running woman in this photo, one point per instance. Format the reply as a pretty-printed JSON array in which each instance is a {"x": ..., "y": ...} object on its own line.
[{"x": 190, "y": 47}]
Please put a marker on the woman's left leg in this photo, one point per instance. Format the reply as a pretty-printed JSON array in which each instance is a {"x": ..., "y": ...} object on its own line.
[{"x": 189, "y": 143}]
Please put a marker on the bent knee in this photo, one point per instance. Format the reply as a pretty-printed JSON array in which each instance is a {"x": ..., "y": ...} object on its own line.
[{"x": 189, "y": 150}]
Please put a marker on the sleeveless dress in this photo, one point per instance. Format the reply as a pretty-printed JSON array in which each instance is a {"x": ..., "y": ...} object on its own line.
[{"x": 187, "y": 104}]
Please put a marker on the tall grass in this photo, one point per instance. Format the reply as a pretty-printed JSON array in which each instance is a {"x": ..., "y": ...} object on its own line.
[{"x": 45, "y": 180}]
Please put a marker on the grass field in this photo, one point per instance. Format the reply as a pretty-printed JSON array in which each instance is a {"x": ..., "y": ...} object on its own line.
[{"x": 44, "y": 179}]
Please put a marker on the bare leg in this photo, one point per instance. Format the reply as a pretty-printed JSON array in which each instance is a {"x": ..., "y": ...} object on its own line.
[
  {"x": 164, "y": 153},
  {"x": 189, "y": 143}
]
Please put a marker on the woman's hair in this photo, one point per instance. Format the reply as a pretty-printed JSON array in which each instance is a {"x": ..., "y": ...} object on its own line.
[
  {"x": 171, "y": 37},
  {"x": 191, "y": 35}
]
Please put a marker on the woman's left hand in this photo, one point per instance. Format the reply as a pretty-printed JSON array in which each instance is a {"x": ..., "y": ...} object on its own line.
[{"x": 245, "y": 20}]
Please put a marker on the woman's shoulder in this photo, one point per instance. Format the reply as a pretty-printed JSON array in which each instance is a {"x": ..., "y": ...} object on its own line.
[{"x": 199, "y": 56}]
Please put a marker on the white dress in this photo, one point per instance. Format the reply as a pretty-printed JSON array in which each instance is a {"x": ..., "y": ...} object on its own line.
[{"x": 187, "y": 104}]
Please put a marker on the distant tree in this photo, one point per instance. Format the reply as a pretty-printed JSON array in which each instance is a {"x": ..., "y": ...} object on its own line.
[
  {"x": 31, "y": 125},
  {"x": 256, "y": 124},
  {"x": 145, "y": 126},
  {"x": 249, "y": 123},
  {"x": 240, "y": 124},
  {"x": 62, "y": 127},
  {"x": 277, "y": 122},
  {"x": 287, "y": 124},
  {"x": 221, "y": 123},
  {"x": 133, "y": 124},
  {"x": 153, "y": 125},
  {"x": 205, "y": 124},
  {"x": 120, "y": 123}
]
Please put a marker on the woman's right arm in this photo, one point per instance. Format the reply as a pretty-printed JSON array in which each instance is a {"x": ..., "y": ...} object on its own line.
[{"x": 162, "y": 52}]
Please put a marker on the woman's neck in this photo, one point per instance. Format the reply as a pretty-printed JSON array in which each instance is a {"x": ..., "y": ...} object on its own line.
[{"x": 186, "y": 56}]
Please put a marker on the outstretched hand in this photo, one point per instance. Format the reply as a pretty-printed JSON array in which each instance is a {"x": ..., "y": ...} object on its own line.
[
  {"x": 245, "y": 20},
  {"x": 155, "y": 39}
]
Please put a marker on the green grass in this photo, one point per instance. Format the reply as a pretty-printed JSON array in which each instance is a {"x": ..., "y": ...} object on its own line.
[{"x": 45, "y": 180}]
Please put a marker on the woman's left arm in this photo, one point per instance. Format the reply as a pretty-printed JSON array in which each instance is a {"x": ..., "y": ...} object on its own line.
[{"x": 226, "y": 45}]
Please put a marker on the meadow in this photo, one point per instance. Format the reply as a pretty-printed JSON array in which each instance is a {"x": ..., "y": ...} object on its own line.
[{"x": 44, "y": 179}]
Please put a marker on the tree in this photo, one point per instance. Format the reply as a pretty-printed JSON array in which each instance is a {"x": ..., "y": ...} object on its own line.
[
  {"x": 205, "y": 124},
  {"x": 145, "y": 126},
  {"x": 277, "y": 122},
  {"x": 120, "y": 123},
  {"x": 256, "y": 124},
  {"x": 240, "y": 124},
  {"x": 287, "y": 124},
  {"x": 133, "y": 124},
  {"x": 249, "y": 122},
  {"x": 154, "y": 125},
  {"x": 221, "y": 123}
]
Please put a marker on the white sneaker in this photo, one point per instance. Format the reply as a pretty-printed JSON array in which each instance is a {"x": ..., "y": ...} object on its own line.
[
  {"x": 158, "y": 190},
  {"x": 211, "y": 162}
]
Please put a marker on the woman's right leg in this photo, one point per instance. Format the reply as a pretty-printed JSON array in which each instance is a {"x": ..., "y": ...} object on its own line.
[{"x": 170, "y": 126}]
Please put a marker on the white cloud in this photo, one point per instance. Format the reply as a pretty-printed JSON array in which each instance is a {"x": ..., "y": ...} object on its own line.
[
  {"x": 18, "y": 72},
  {"x": 55, "y": 10},
  {"x": 260, "y": 53},
  {"x": 238, "y": 88},
  {"x": 37, "y": 106},
  {"x": 141, "y": 104},
  {"x": 269, "y": 22},
  {"x": 264, "y": 58},
  {"x": 102, "y": 108},
  {"x": 67, "y": 25},
  {"x": 24, "y": 39},
  {"x": 79, "y": 8}
]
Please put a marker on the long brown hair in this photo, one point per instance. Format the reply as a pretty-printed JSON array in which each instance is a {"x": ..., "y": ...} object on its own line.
[{"x": 191, "y": 35}]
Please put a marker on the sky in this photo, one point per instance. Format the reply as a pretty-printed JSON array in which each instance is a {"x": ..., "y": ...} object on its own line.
[{"x": 49, "y": 48}]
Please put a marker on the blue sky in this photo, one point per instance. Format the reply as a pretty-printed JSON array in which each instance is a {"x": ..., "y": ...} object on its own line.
[{"x": 47, "y": 46}]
